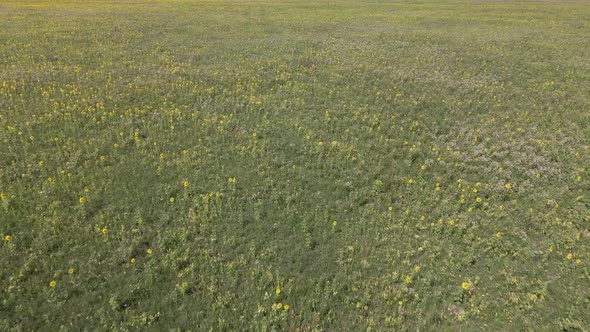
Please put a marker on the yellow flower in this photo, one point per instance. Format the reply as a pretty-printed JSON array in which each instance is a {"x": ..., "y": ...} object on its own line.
[
  {"x": 286, "y": 307},
  {"x": 533, "y": 297},
  {"x": 82, "y": 200},
  {"x": 7, "y": 238},
  {"x": 231, "y": 180},
  {"x": 334, "y": 223},
  {"x": 400, "y": 302},
  {"x": 417, "y": 268},
  {"x": 278, "y": 290},
  {"x": 410, "y": 181},
  {"x": 52, "y": 283},
  {"x": 132, "y": 260},
  {"x": 390, "y": 208},
  {"x": 184, "y": 284},
  {"x": 71, "y": 270},
  {"x": 465, "y": 285},
  {"x": 570, "y": 256},
  {"x": 3, "y": 196},
  {"x": 105, "y": 231},
  {"x": 149, "y": 251},
  {"x": 507, "y": 186},
  {"x": 578, "y": 261},
  {"x": 408, "y": 279},
  {"x": 498, "y": 235},
  {"x": 423, "y": 167},
  {"x": 452, "y": 221},
  {"x": 185, "y": 183},
  {"x": 478, "y": 199},
  {"x": 172, "y": 199},
  {"x": 102, "y": 157},
  {"x": 279, "y": 305},
  {"x": 551, "y": 249}
]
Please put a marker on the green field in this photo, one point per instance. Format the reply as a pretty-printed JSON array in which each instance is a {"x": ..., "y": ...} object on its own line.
[{"x": 295, "y": 165}]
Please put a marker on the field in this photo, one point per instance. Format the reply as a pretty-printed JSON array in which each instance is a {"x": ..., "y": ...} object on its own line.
[{"x": 295, "y": 165}]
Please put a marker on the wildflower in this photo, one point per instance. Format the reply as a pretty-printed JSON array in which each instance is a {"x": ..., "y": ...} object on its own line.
[
  {"x": 410, "y": 181},
  {"x": 334, "y": 223},
  {"x": 149, "y": 251},
  {"x": 279, "y": 305},
  {"x": 71, "y": 270},
  {"x": 465, "y": 285},
  {"x": 390, "y": 208},
  {"x": 172, "y": 199},
  {"x": 570, "y": 256},
  {"x": 231, "y": 180},
  {"x": 52, "y": 283},
  {"x": 578, "y": 261},
  {"x": 7, "y": 238},
  {"x": 452, "y": 221},
  {"x": 551, "y": 249},
  {"x": 2, "y": 196},
  {"x": 184, "y": 284},
  {"x": 278, "y": 290},
  {"x": 102, "y": 158},
  {"x": 82, "y": 200},
  {"x": 507, "y": 186},
  {"x": 579, "y": 178},
  {"x": 105, "y": 230},
  {"x": 533, "y": 297},
  {"x": 423, "y": 167},
  {"x": 408, "y": 279},
  {"x": 185, "y": 183},
  {"x": 254, "y": 134},
  {"x": 498, "y": 235},
  {"x": 478, "y": 199},
  {"x": 417, "y": 268},
  {"x": 133, "y": 260},
  {"x": 400, "y": 302},
  {"x": 286, "y": 307},
  {"x": 115, "y": 145}
]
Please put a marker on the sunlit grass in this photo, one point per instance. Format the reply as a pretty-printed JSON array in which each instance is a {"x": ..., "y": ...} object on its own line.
[{"x": 343, "y": 165}]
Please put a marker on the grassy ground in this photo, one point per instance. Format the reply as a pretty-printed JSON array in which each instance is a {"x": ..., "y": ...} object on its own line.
[{"x": 295, "y": 165}]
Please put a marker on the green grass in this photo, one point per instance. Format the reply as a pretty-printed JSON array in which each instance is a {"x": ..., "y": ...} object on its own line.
[{"x": 385, "y": 154}]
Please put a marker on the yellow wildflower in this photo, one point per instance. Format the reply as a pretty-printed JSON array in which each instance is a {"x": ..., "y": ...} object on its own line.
[
  {"x": 465, "y": 285},
  {"x": 52, "y": 283}
]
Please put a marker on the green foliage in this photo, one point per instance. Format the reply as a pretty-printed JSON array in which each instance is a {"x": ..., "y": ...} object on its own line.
[{"x": 213, "y": 165}]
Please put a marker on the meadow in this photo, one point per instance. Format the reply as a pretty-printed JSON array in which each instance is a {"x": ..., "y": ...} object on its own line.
[{"x": 294, "y": 165}]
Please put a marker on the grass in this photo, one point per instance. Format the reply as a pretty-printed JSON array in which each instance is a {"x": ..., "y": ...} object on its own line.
[{"x": 294, "y": 165}]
